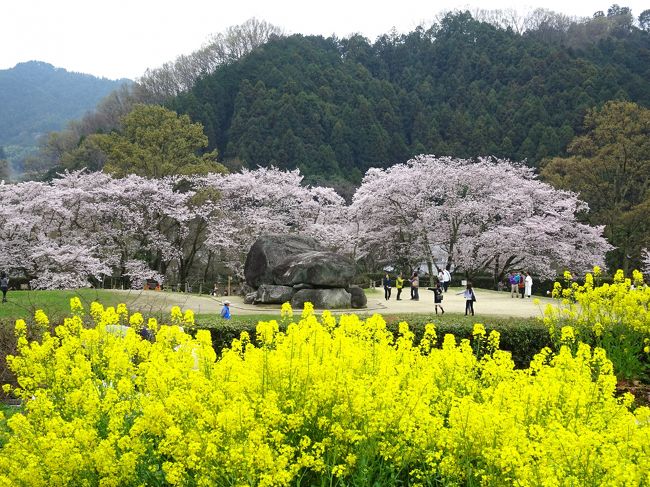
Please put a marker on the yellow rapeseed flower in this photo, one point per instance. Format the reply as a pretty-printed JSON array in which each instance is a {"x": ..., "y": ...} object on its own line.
[
  {"x": 75, "y": 306},
  {"x": 328, "y": 400}
]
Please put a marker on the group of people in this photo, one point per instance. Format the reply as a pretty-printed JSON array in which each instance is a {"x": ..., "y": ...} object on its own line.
[
  {"x": 441, "y": 286},
  {"x": 444, "y": 279},
  {"x": 468, "y": 294},
  {"x": 399, "y": 285},
  {"x": 217, "y": 292},
  {"x": 520, "y": 284}
]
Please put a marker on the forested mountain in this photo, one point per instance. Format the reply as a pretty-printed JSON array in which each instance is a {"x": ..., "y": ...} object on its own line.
[
  {"x": 335, "y": 107},
  {"x": 569, "y": 96},
  {"x": 36, "y": 98}
]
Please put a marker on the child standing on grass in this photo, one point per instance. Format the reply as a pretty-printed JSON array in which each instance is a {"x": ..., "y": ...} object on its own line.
[{"x": 470, "y": 297}]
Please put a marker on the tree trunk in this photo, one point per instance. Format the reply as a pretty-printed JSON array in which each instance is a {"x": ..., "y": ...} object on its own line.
[
  {"x": 497, "y": 275},
  {"x": 207, "y": 266}
]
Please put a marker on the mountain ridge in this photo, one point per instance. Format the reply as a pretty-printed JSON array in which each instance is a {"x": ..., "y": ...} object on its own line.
[
  {"x": 335, "y": 107},
  {"x": 37, "y": 97}
]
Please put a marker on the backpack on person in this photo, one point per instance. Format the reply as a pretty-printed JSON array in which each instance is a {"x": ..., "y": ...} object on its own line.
[{"x": 4, "y": 282}]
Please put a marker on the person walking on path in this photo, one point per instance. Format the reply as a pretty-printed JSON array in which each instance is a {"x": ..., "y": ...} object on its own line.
[
  {"x": 225, "y": 311},
  {"x": 415, "y": 286},
  {"x": 470, "y": 297},
  {"x": 446, "y": 281},
  {"x": 399, "y": 284},
  {"x": 529, "y": 285},
  {"x": 514, "y": 284},
  {"x": 387, "y": 289},
  {"x": 437, "y": 297},
  {"x": 4, "y": 286}
]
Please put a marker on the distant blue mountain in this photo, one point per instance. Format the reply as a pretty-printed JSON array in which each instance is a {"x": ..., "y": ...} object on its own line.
[{"x": 36, "y": 98}]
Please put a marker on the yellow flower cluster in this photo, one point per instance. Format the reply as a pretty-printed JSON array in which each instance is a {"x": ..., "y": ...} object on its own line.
[
  {"x": 613, "y": 316},
  {"x": 323, "y": 403}
]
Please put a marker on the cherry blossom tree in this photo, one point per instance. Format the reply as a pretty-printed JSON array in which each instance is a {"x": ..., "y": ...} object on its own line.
[
  {"x": 489, "y": 215},
  {"x": 32, "y": 242},
  {"x": 83, "y": 226},
  {"x": 60, "y": 266},
  {"x": 125, "y": 218},
  {"x": 139, "y": 273},
  {"x": 98, "y": 221},
  {"x": 646, "y": 261},
  {"x": 268, "y": 201}
]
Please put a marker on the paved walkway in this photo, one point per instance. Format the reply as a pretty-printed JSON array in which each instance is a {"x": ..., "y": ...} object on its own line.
[{"x": 487, "y": 303}]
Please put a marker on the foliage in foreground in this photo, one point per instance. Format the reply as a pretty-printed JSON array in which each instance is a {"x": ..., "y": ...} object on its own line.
[
  {"x": 522, "y": 337},
  {"x": 612, "y": 316},
  {"x": 325, "y": 402}
]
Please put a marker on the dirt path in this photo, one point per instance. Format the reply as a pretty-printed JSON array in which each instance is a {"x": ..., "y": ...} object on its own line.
[{"x": 487, "y": 303}]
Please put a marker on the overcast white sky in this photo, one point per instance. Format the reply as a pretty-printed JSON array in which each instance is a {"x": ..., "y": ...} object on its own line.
[{"x": 121, "y": 38}]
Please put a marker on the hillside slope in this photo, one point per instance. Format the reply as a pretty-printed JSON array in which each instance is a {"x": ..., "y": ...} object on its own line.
[
  {"x": 37, "y": 98},
  {"x": 335, "y": 107}
]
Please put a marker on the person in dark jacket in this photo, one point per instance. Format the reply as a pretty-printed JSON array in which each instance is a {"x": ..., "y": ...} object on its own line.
[
  {"x": 437, "y": 296},
  {"x": 387, "y": 288},
  {"x": 4, "y": 286}
]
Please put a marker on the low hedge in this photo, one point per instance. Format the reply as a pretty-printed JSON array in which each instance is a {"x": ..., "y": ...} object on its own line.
[{"x": 523, "y": 337}]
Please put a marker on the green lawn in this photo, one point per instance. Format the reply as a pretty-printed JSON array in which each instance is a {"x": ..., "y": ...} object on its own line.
[
  {"x": 23, "y": 304},
  {"x": 56, "y": 304}
]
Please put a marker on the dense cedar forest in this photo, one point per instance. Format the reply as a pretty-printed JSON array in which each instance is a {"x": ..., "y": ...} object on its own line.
[
  {"x": 335, "y": 107},
  {"x": 37, "y": 98}
]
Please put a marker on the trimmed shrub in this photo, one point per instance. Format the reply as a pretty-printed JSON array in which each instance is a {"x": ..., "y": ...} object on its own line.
[{"x": 522, "y": 337}]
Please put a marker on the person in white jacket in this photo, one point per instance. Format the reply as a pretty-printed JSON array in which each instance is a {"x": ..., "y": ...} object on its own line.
[
  {"x": 446, "y": 282},
  {"x": 470, "y": 297},
  {"x": 528, "y": 285}
]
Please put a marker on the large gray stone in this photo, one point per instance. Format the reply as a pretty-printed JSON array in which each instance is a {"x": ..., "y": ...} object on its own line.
[
  {"x": 322, "y": 298},
  {"x": 271, "y": 294},
  {"x": 359, "y": 299},
  {"x": 317, "y": 268},
  {"x": 302, "y": 285},
  {"x": 269, "y": 251}
]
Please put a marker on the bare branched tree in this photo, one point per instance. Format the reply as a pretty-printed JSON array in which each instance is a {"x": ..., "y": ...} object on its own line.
[{"x": 180, "y": 75}]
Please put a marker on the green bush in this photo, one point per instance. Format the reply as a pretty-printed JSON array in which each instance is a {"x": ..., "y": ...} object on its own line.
[{"x": 523, "y": 337}]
